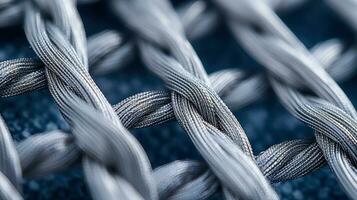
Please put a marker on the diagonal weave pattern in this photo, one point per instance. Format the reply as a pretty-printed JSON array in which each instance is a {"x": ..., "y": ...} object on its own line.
[{"x": 114, "y": 163}]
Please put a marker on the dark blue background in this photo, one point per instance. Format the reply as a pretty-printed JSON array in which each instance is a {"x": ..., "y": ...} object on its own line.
[{"x": 266, "y": 122}]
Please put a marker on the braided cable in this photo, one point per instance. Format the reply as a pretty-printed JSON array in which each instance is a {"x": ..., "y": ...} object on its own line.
[
  {"x": 196, "y": 106},
  {"x": 60, "y": 44},
  {"x": 276, "y": 48}
]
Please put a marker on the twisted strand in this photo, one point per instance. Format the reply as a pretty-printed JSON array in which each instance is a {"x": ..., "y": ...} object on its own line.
[
  {"x": 287, "y": 59},
  {"x": 196, "y": 106},
  {"x": 60, "y": 45}
]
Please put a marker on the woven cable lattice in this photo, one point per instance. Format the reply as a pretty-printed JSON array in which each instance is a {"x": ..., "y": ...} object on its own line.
[{"x": 59, "y": 42}]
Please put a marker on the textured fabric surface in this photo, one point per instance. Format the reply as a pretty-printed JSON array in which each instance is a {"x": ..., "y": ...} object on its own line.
[{"x": 266, "y": 122}]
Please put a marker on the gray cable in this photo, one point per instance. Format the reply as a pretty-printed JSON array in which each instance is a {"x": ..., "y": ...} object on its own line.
[
  {"x": 193, "y": 100},
  {"x": 287, "y": 59},
  {"x": 60, "y": 44},
  {"x": 196, "y": 106}
]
